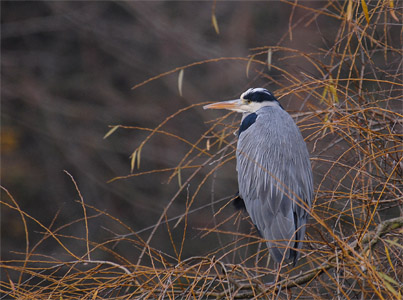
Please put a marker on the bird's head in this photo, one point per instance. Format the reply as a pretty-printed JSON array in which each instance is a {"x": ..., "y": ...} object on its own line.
[{"x": 250, "y": 101}]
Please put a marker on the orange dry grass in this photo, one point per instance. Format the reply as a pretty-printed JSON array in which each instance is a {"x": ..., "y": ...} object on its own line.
[{"x": 354, "y": 246}]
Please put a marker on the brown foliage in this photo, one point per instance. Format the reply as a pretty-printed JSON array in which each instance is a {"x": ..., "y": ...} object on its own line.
[{"x": 352, "y": 120}]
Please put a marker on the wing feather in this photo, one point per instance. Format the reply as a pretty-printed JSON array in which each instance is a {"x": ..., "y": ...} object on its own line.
[{"x": 274, "y": 176}]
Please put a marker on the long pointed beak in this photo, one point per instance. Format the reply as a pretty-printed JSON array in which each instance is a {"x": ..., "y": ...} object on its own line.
[{"x": 231, "y": 105}]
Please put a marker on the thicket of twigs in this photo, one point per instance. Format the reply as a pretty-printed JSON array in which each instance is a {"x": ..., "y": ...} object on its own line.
[{"x": 350, "y": 114}]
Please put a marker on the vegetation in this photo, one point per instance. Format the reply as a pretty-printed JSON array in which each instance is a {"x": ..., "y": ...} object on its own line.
[{"x": 349, "y": 109}]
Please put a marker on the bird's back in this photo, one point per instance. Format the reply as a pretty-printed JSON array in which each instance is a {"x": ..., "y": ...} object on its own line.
[{"x": 275, "y": 180}]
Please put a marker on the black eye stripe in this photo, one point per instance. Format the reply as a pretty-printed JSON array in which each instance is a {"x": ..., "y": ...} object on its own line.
[{"x": 258, "y": 95}]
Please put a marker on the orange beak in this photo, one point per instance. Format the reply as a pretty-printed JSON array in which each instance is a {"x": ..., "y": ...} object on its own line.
[{"x": 234, "y": 105}]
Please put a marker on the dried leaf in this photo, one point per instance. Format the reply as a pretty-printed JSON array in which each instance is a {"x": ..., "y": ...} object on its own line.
[
  {"x": 179, "y": 221},
  {"x": 331, "y": 128},
  {"x": 248, "y": 66},
  {"x": 349, "y": 13},
  {"x": 215, "y": 24},
  {"x": 221, "y": 139},
  {"x": 180, "y": 81},
  {"x": 208, "y": 144},
  {"x": 179, "y": 177},
  {"x": 365, "y": 9},
  {"x": 11, "y": 284},
  {"x": 112, "y": 130},
  {"x": 269, "y": 55}
]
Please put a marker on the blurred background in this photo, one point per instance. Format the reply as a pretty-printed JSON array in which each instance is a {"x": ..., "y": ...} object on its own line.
[{"x": 67, "y": 69}]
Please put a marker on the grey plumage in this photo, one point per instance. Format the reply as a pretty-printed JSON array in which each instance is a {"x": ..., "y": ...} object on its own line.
[
  {"x": 274, "y": 171},
  {"x": 275, "y": 180}
]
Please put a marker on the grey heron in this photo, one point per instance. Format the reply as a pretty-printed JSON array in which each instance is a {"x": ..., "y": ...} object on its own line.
[{"x": 274, "y": 171}]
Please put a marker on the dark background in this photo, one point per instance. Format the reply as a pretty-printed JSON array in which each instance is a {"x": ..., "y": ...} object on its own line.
[{"x": 67, "y": 69}]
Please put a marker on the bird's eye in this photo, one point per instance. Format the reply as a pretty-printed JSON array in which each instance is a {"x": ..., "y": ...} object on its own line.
[{"x": 248, "y": 101}]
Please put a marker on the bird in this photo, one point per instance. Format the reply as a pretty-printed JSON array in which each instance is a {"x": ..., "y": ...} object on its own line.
[{"x": 274, "y": 171}]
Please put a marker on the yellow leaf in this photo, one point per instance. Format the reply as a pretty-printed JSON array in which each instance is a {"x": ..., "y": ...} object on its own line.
[
  {"x": 112, "y": 130},
  {"x": 215, "y": 24},
  {"x": 325, "y": 119},
  {"x": 138, "y": 157},
  {"x": 208, "y": 145},
  {"x": 392, "y": 11},
  {"x": 388, "y": 257},
  {"x": 133, "y": 160},
  {"x": 333, "y": 90},
  {"x": 324, "y": 94},
  {"x": 180, "y": 81},
  {"x": 387, "y": 278},
  {"x": 365, "y": 9},
  {"x": 392, "y": 290},
  {"x": 394, "y": 243}
]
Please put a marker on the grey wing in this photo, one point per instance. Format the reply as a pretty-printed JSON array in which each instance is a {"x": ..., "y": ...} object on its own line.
[{"x": 275, "y": 181}]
